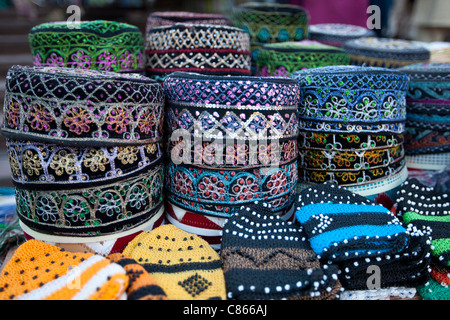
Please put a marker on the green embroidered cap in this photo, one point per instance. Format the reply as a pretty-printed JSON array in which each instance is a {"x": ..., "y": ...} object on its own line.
[
  {"x": 98, "y": 45},
  {"x": 284, "y": 58}
]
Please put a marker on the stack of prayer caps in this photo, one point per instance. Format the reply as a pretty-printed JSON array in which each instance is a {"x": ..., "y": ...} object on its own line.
[
  {"x": 96, "y": 45},
  {"x": 168, "y": 18},
  {"x": 426, "y": 207},
  {"x": 201, "y": 48},
  {"x": 284, "y": 58},
  {"x": 351, "y": 127},
  {"x": 376, "y": 254},
  {"x": 385, "y": 52},
  {"x": 85, "y": 154},
  {"x": 427, "y": 138},
  {"x": 270, "y": 23},
  {"x": 232, "y": 140},
  {"x": 335, "y": 34}
]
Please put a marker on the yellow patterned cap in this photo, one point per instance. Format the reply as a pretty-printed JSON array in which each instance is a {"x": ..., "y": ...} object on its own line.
[{"x": 183, "y": 264}]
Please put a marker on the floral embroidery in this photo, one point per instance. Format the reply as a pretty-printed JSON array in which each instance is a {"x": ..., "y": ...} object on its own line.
[
  {"x": 107, "y": 61},
  {"x": 13, "y": 114},
  {"x": 81, "y": 60},
  {"x": 77, "y": 120},
  {"x": 39, "y": 118},
  {"x": 55, "y": 61},
  {"x": 117, "y": 120},
  {"x": 147, "y": 121},
  {"x": 95, "y": 160},
  {"x": 31, "y": 163},
  {"x": 126, "y": 60},
  {"x": 63, "y": 161},
  {"x": 127, "y": 154}
]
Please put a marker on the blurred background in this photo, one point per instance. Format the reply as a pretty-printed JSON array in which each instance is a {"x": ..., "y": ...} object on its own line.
[{"x": 420, "y": 20}]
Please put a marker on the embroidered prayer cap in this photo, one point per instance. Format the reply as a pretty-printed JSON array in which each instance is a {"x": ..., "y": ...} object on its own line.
[
  {"x": 341, "y": 225},
  {"x": 271, "y": 22},
  {"x": 97, "y": 45},
  {"x": 276, "y": 254},
  {"x": 284, "y": 58},
  {"x": 428, "y": 110},
  {"x": 141, "y": 285},
  {"x": 183, "y": 264},
  {"x": 82, "y": 107},
  {"x": 221, "y": 192},
  {"x": 92, "y": 214},
  {"x": 47, "y": 165},
  {"x": 407, "y": 268},
  {"x": 168, "y": 18},
  {"x": 350, "y": 167},
  {"x": 201, "y": 48},
  {"x": 40, "y": 271},
  {"x": 385, "y": 52},
  {"x": 232, "y": 107},
  {"x": 352, "y": 99},
  {"x": 335, "y": 34}
]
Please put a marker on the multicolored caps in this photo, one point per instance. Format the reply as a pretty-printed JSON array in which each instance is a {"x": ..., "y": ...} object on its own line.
[
  {"x": 201, "y": 48},
  {"x": 335, "y": 34},
  {"x": 284, "y": 58},
  {"x": 428, "y": 105},
  {"x": 82, "y": 107},
  {"x": 97, "y": 45},
  {"x": 269, "y": 22},
  {"x": 168, "y": 18},
  {"x": 385, "y": 52}
]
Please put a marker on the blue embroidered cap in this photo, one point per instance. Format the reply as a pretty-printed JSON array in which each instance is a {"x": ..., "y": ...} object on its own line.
[{"x": 352, "y": 99}]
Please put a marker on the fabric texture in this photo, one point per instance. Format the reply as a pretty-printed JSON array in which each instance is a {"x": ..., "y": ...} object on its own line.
[
  {"x": 408, "y": 268},
  {"x": 141, "y": 284},
  {"x": 276, "y": 254},
  {"x": 96, "y": 45},
  {"x": 341, "y": 225},
  {"x": 183, "y": 264},
  {"x": 39, "y": 271}
]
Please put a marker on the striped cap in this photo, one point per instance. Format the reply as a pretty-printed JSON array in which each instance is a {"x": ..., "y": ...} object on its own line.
[{"x": 40, "y": 271}]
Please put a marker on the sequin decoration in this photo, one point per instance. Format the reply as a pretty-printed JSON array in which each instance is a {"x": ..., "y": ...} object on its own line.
[
  {"x": 82, "y": 107},
  {"x": 201, "y": 48}
]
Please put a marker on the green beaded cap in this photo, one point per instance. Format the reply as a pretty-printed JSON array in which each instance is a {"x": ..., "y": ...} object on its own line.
[{"x": 98, "y": 45}]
